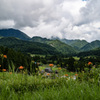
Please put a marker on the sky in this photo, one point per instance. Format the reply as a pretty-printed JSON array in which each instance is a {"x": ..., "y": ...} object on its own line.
[{"x": 70, "y": 19}]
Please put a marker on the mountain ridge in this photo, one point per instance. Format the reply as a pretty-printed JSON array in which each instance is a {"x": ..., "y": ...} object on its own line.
[
  {"x": 14, "y": 33},
  {"x": 61, "y": 45}
]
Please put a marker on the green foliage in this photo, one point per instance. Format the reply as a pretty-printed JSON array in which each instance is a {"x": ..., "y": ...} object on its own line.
[
  {"x": 18, "y": 86},
  {"x": 14, "y": 60},
  {"x": 60, "y": 46},
  {"x": 95, "y": 52},
  {"x": 77, "y": 44},
  {"x": 28, "y": 47},
  {"x": 91, "y": 46}
]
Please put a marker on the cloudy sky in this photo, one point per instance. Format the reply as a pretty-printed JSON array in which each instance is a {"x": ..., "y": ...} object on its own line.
[{"x": 70, "y": 19}]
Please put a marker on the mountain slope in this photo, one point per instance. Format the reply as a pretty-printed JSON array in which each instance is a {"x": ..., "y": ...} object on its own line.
[
  {"x": 13, "y": 33},
  {"x": 40, "y": 39},
  {"x": 91, "y": 46},
  {"x": 77, "y": 44},
  {"x": 95, "y": 52},
  {"x": 26, "y": 46},
  {"x": 60, "y": 46}
]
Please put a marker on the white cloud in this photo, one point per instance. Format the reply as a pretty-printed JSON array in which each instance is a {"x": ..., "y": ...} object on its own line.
[{"x": 72, "y": 19}]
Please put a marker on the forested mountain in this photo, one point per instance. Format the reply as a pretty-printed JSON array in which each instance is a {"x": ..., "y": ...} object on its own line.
[
  {"x": 27, "y": 46},
  {"x": 13, "y": 33},
  {"x": 77, "y": 44},
  {"x": 40, "y": 39},
  {"x": 60, "y": 46},
  {"x": 95, "y": 52},
  {"x": 37, "y": 45},
  {"x": 91, "y": 46}
]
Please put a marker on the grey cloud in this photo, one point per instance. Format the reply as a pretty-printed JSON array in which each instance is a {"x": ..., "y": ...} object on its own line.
[
  {"x": 90, "y": 13},
  {"x": 49, "y": 18}
]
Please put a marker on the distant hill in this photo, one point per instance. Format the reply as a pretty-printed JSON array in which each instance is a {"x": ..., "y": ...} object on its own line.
[
  {"x": 14, "y": 38},
  {"x": 13, "y": 33},
  {"x": 39, "y": 39},
  {"x": 91, "y": 46},
  {"x": 60, "y": 46},
  {"x": 27, "y": 46},
  {"x": 95, "y": 52},
  {"x": 77, "y": 44}
]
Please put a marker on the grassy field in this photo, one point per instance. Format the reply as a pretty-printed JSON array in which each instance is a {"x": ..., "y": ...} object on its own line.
[{"x": 21, "y": 86}]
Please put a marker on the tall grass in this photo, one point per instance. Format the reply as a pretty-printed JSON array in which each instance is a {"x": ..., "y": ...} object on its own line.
[{"x": 24, "y": 87}]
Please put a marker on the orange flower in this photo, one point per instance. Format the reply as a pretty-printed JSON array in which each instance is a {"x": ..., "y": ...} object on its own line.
[
  {"x": 5, "y": 56},
  {"x": 21, "y": 67},
  {"x": 0, "y": 65},
  {"x": 51, "y": 65},
  {"x": 10, "y": 72},
  {"x": 89, "y": 63},
  {"x": 48, "y": 74},
  {"x": 66, "y": 74},
  {"x": 59, "y": 68},
  {"x": 4, "y": 70},
  {"x": 76, "y": 74}
]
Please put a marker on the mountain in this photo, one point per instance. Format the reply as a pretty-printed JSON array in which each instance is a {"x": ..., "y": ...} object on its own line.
[
  {"x": 95, "y": 52},
  {"x": 60, "y": 46},
  {"x": 13, "y": 33},
  {"x": 91, "y": 46},
  {"x": 27, "y": 46},
  {"x": 40, "y": 39},
  {"x": 77, "y": 44}
]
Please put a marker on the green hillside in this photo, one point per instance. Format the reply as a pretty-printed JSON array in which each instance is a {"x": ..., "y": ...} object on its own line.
[
  {"x": 91, "y": 46},
  {"x": 26, "y": 46},
  {"x": 39, "y": 39},
  {"x": 95, "y": 52},
  {"x": 77, "y": 44},
  {"x": 60, "y": 46},
  {"x": 13, "y": 33}
]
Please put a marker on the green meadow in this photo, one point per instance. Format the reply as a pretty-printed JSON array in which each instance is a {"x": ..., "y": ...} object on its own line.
[
  {"x": 23, "y": 77},
  {"x": 21, "y": 86}
]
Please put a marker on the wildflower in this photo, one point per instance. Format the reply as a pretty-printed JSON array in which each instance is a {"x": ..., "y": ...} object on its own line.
[
  {"x": 4, "y": 70},
  {"x": 89, "y": 63},
  {"x": 10, "y": 72},
  {"x": 21, "y": 67},
  {"x": 51, "y": 65},
  {"x": 48, "y": 74},
  {"x": 71, "y": 77},
  {"x": 5, "y": 56},
  {"x": 66, "y": 74},
  {"x": 76, "y": 74},
  {"x": 59, "y": 68}
]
